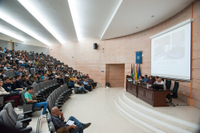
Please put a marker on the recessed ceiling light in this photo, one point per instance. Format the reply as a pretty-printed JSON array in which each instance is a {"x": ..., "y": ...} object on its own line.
[
  {"x": 136, "y": 27},
  {"x": 152, "y": 16}
]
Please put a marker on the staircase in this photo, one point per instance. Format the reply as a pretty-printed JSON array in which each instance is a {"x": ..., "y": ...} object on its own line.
[{"x": 158, "y": 120}]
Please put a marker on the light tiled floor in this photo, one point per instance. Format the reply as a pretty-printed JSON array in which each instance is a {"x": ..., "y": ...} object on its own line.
[{"x": 98, "y": 108}]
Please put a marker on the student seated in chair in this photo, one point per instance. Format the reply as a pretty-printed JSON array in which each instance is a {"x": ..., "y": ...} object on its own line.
[
  {"x": 13, "y": 84},
  {"x": 29, "y": 96},
  {"x": 81, "y": 88},
  {"x": 18, "y": 82},
  {"x": 58, "y": 121},
  {"x": 87, "y": 85},
  {"x": 8, "y": 98}
]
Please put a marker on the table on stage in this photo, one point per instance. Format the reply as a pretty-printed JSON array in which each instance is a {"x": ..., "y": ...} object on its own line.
[{"x": 156, "y": 98}]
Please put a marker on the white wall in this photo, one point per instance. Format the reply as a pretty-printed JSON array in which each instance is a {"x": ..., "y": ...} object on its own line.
[
  {"x": 4, "y": 44},
  {"x": 28, "y": 48}
]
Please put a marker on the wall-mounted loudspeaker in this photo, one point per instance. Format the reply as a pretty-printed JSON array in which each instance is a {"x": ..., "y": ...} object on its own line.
[{"x": 95, "y": 45}]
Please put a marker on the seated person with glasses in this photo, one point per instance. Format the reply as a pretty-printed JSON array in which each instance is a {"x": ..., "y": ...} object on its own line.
[{"x": 59, "y": 123}]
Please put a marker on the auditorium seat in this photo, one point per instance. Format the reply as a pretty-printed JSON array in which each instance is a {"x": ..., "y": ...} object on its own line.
[
  {"x": 6, "y": 121},
  {"x": 51, "y": 128},
  {"x": 58, "y": 97},
  {"x": 28, "y": 106},
  {"x": 13, "y": 115}
]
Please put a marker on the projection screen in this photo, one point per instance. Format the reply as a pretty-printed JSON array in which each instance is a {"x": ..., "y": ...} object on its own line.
[{"x": 171, "y": 52}]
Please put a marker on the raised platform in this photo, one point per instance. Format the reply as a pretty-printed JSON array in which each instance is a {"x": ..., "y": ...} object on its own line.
[{"x": 182, "y": 119}]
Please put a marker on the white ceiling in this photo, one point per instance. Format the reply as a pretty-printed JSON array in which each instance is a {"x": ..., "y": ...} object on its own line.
[
  {"x": 92, "y": 16},
  {"x": 138, "y": 13},
  {"x": 26, "y": 39},
  {"x": 55, "y": 16},
  {"x": 54, "y": 22},
  {"x": 14, "y": 13}
]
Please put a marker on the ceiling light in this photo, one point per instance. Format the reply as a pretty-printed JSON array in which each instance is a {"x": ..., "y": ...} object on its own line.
[
  {"x": 152, "y": 16},
  {"x": 9, "y": 19},
  {"x": 76, "y": 17},
  {"x": 11, "y": 34},
  {"x": 39, "y": 14}
]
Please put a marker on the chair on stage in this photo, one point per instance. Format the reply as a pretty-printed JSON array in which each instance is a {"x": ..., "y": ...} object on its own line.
[
  {"x": 168, "y": 84},
  {"x": 174, "y": 94}
]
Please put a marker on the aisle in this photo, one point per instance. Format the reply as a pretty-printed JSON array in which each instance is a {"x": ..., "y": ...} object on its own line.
[{"x": 98, "y": 108}]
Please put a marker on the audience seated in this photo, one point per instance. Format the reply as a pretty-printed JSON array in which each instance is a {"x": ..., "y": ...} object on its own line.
[
  {"x": 38, "y": 77},
  {"x": 30, "y": 68},
  {"x": 87, "y": 76},
  {"x": 12, "y": 97},
  {"x": 81, "y": 88},
  {"x": 30, "y": 95},
  {"x": 87, "y": 85},
  {"x": 2, "y": 74},
  {"x": 18, "y": 81},
  {"x": 18, "y": 71},
  {"x": 23, "y": 81},
  {"x": 7, "y": 84},
  {"x": 33, "y": 79},
  {"x": 72, "y": 78},
  {"x": 46, "y": 77},
  {"x": 41, "y": 76},
  {"x": 7, "y": 68},
  {"x": 58, "y": 121}
]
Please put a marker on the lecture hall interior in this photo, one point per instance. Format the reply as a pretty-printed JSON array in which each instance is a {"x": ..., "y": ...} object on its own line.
[{"x": 100, "y": 66}]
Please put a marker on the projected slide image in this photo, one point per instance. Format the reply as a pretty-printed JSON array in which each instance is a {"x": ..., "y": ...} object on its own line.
[
  {"x": 170, "y": 47},
  {"x": 160, "y": 46},
  {"x": 177, "y": 50},
  {"x": 171, "y": 53}
]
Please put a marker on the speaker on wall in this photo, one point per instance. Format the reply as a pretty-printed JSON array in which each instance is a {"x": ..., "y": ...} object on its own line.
[{"x": 95, "y": 45}]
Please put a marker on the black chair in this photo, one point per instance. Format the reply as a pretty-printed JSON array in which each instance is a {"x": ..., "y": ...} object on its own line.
[
  {"x": 168, "y": 84},
  {"x": 174, "y": 93}
]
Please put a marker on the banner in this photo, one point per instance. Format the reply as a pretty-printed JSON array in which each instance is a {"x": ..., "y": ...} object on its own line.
[{"x": 138, "y": 57}]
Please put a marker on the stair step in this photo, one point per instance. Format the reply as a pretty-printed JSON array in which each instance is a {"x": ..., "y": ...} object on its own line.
[
  {"x": 157, "y": 121},
  {"x": 165, "y": 117},
  {"x": 145, "y": 115},
  {"x": 137, "y": 119}
]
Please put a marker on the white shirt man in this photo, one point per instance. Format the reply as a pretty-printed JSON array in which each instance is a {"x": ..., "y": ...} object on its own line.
[{"x": 159, "y": 81}]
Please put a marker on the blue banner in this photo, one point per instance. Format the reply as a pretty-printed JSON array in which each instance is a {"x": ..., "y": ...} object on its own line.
[{"x": 138, "y": 57}]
